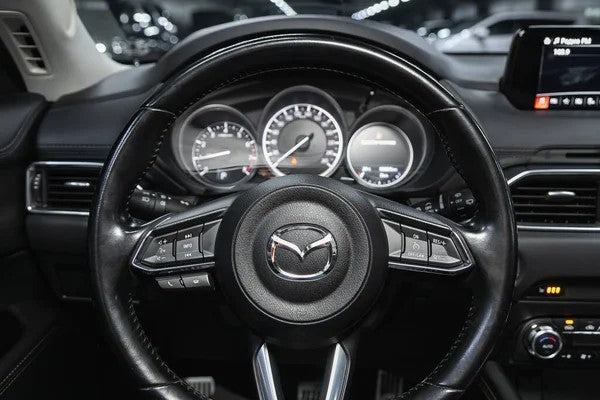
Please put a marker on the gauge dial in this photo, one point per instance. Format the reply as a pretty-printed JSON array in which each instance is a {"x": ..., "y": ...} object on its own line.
[
  {"x": 302, "y": 138},
  {"x": 224, "y": 154},
  {"x": 380, "y": 155}
]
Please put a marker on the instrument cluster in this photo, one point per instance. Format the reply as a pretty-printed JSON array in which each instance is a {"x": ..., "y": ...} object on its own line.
[{"x": 302, "y": 129}]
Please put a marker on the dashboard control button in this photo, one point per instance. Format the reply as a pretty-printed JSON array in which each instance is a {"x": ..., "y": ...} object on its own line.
[
  {"x": 566, "y": 356},
  {"x": 187, "y": 240},
  {"x": 565, "y": 324},
  {"x": 443, "y": 251},
  {"x": 591, "y": 101},
  {"x": 159, "y": 251},
  {"x": 199, "y": 280},
  {"x": 395, "y": 239},
  {"x": 170, "y": 282},
  {"x": 189, "y": 255},
  {"x": 209, "y": 239},
  {"x": 588, "y": 325},
  {"x": 416, "y": 247},
  {"x": 544, "y": 342},
  {"x": 585, "y": 356},
  {"x": 188, "y": 246}
]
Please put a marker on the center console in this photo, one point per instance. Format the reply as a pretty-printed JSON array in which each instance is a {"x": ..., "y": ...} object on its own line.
[{"x": 560, "y": 341}]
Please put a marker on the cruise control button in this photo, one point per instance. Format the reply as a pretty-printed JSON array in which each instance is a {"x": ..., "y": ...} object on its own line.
[
  {"x": 170, "y": 282},
  {"x": 159, "y": 251},
  {"x": 443, "y": 251},
  {"x": 415, "y": 246},
  {"x": 197, "y": 281},
  {"x": 395, "y": 238},
  {"x": 209, "y": 239}
]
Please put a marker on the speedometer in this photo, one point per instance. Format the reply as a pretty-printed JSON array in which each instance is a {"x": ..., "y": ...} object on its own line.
[{"x": 302, "y": 138}]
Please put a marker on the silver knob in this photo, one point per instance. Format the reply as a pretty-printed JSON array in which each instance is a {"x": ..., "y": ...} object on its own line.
[{"x": 544, "y": 342}]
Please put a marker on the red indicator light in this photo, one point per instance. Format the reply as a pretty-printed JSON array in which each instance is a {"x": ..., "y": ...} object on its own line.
[{"x": 542, "y": 102}]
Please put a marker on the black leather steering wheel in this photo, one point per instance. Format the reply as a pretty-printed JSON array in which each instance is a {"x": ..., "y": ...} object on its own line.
[{"x": 354, "y": 233}]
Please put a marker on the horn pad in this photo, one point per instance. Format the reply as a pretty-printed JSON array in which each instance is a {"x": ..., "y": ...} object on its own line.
[{"x": 305, "y": 252}]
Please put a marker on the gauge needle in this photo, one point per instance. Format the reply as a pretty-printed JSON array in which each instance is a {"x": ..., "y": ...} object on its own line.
[
  {"x": 292, "y": 150},
  {"x": 213, "y": 155}
]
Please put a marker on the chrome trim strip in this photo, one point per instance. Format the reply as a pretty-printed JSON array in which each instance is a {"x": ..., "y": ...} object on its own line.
[
  {"x": 556, "y": 171},
  {"x": 336, "y": 377},
  {"x": 29, "y": 176},
  {"x": 265, "y": 375},
  {"x": 580, "y": 332}
]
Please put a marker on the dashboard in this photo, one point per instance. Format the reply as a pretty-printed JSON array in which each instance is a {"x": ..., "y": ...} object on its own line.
[{"x": 333, "y": 127}]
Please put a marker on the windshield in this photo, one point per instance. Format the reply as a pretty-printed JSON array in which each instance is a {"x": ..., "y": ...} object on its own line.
[{"x": 141, "y": 31}]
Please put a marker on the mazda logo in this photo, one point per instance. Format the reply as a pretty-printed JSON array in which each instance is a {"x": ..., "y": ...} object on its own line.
[{"x": 301, "y": 252}]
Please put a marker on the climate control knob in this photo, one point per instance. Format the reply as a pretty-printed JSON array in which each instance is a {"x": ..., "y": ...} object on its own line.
[{"x": 543, "y": 342}]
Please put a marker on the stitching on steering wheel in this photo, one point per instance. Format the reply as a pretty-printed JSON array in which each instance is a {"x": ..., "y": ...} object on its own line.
[
  {"x": 449, "y": 152},
  {"x": 151, "y": 161},
  {"x": 141, "y": 333}
]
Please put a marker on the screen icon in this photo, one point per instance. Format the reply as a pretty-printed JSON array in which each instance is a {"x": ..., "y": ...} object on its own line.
[{"x": 542, "y": 102}]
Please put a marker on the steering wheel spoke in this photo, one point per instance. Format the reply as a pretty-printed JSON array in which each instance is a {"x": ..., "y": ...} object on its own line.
[
  {"x": 335, "y": 379},
  {"x": 422, "y": 242}
]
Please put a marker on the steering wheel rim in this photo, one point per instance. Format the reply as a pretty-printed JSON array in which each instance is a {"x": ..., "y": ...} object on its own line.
[{"x": 491, "y": 237}]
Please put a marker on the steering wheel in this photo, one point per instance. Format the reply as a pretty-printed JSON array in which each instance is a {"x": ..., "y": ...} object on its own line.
[{"x": 303, "y": 259}]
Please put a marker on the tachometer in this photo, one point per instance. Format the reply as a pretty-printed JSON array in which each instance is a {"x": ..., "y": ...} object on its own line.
[
  {"x": 224, "y": 154},
  {"x": 380, "y": 155},
  {"x": 302, "y": 138}
]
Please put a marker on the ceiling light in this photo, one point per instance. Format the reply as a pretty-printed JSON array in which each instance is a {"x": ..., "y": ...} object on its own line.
[{"x": 376, "y": 8}]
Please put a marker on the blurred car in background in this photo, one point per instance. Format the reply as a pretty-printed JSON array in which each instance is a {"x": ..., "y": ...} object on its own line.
[{"x": 443, "y": 28}]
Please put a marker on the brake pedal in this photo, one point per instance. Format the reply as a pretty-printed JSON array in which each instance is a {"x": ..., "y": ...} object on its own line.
[
  {"x": 202, "y": 384},
  {"x": 389, "y": 385}
]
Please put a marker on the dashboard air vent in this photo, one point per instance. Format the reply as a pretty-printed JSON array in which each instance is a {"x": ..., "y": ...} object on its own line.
[
  {"x": 62, "y": 187},
  {"x": 557, "y": 199},
  {"x": 25, "y": 42}
]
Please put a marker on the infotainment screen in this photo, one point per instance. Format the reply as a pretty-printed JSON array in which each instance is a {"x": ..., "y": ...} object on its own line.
[
  {"x": 569, "y": 73},
  {"x": 554, "y": 67}
]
